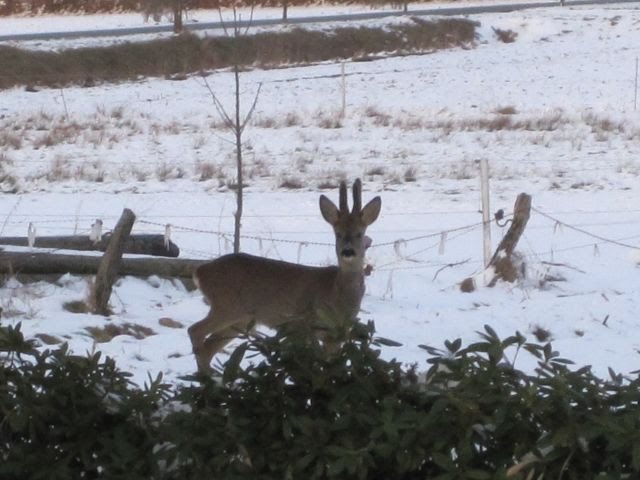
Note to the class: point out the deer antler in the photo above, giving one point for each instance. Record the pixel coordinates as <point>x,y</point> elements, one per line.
<point>357,196</point>
<point>344,208</point>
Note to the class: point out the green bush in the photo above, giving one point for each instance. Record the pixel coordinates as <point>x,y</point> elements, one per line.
<point>287,406</point>
<point>64,416</point>
<point>299,412</point>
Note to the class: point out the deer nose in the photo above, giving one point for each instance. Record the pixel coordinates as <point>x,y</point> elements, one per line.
<point>348,252</point>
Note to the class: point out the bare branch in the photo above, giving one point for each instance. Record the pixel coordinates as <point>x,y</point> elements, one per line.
<point>252,109</point>
<point>226,119</point>
<point>236,27</point>
<point>222,22</point>
<point>250,24</point>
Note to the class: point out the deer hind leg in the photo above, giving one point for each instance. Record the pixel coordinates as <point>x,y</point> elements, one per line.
<point>216,342</point>
<point>210,335</point>
<point>198,333</point>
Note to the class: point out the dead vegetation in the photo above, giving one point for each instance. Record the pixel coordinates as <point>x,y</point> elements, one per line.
<point>189,53</point>
<point>505,36</point>
<point>35,7</point>
<point>47,339</point>
<point>76,306</point>
<point>111,330</point>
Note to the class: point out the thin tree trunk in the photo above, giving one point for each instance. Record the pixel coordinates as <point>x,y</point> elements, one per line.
<point>239,191</point>
<point>177,16</point>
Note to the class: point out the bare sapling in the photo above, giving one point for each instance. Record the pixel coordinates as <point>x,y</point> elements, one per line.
<point>234,122</point>
<point>246,290</point>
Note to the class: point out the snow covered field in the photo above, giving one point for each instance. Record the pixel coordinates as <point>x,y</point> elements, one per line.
<point>552,112</point>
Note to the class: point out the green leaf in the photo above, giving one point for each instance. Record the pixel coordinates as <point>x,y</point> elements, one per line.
<point>635,456</point>
<point>336,467</point>
<point>454,346</point>
<point>477,474</point>
<point>232,366</point>
<point>492,333</point>
<point>386,342</point>
<point>304,462</point>
<point>431,350</point>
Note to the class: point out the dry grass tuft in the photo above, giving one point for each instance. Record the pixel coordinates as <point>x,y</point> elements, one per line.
<point>10,140</point>
<point>375,171</point>
<point>165,172</point>
<point>542,334</point>
<point>111,330</point>
<point>411,174</point>
<point>291,183</point>
<point>61,169</point>
<point>292,119</point>
<point>208,170</point>
<point>378,118</point>
<point>328,184</point>
<point>508,110</point>
<point>76,306</point>
<point>505,36</point>
<point>170,323</point>
<point>8,181</point>
<point>328,120</point>
<point>48,339</point>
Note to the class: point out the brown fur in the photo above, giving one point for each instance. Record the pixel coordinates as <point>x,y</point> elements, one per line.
<point>245,289</point>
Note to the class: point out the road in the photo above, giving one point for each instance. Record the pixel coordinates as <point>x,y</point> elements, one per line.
<point>446,11</point>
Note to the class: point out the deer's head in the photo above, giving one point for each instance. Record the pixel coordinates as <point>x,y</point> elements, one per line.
<point>350,226</point>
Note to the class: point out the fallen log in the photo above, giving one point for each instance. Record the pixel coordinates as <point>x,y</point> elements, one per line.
<point>44,263</point>
<point>144,244</point>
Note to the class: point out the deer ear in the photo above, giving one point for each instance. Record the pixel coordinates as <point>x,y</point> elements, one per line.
<point>371,211</point>
<point>329,210</point>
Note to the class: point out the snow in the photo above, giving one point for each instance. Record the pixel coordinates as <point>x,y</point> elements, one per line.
<point>414,129</point>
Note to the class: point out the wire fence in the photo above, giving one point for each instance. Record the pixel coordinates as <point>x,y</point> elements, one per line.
<point>427,250</point>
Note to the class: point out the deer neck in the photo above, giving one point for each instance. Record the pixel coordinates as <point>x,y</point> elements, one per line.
<point>349,289</point>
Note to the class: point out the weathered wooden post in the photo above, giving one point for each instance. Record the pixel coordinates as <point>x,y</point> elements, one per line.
<point>108,269</point>
<point>501,264</point>
<point>486,217</point>
<point>501,260</point>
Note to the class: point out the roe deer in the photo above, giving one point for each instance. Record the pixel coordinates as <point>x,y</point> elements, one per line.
<point>244,289</point>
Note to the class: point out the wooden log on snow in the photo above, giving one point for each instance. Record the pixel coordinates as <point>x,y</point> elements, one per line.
<point>39,263</point>
<point>136,244</point>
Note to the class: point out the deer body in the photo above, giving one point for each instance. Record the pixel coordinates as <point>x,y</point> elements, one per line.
<point>245,289</point>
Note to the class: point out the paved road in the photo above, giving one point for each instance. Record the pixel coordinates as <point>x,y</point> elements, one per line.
<point>302,20</point>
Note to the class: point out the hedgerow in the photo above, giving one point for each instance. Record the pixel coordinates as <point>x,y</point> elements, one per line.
<point>179,55</point>
<point>284,406</point>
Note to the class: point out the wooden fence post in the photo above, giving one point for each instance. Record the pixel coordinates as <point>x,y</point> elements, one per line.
<point>486,217</point>
<point>108,269</point>
<point>502,262</point>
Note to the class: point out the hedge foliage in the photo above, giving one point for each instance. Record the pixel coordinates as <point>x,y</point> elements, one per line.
<point>36,7</point>
<point>180,55</point>
<point>285,408</point>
